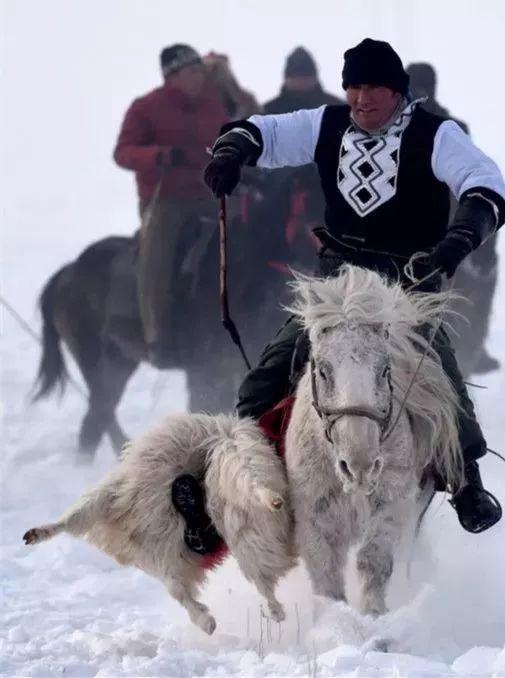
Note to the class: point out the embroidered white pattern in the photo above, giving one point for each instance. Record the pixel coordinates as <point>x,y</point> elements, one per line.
<point>368,165</point>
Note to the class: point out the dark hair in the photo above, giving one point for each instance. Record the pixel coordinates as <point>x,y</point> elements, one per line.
<point>300,63</point>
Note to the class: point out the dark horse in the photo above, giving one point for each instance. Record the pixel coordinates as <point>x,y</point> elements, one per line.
<point>91,305</point>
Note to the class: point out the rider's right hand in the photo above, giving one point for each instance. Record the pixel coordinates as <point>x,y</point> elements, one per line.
<point>222,174</point>
<point>171,157</point>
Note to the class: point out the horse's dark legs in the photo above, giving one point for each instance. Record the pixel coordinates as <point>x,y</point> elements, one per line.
<point>106,377</point>
<point>92,429</point>
<point>116,435</point>
<point>100,420</point>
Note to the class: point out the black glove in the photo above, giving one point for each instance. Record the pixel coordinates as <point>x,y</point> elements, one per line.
<point>222,174</point>
<point>474,221</point>
<point>451,251</point>
<point>239,144</point>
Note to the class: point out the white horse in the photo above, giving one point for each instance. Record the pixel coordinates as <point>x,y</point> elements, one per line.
<point>130,515</point>
<point>354,456</point>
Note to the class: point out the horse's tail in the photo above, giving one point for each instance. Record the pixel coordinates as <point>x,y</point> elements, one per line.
<point>52,372</point>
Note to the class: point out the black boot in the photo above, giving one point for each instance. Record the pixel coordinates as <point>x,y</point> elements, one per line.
<point>200,535</point>
<point>477,509</point>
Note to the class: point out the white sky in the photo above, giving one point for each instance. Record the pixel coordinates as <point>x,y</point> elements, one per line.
<point>72,67</point>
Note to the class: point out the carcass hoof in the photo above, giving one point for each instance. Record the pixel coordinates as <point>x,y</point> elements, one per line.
<point>35,535</point>
<point>207,623</point>
<point>277,612</point>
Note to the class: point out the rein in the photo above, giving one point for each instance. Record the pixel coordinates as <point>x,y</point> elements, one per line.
<point>409,273</point>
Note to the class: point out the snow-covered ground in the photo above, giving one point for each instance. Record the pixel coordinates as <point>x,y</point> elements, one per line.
<point>69,609</point>
<point>71,69</point>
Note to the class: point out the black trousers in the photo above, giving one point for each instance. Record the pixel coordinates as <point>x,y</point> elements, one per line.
<point>272,380</point>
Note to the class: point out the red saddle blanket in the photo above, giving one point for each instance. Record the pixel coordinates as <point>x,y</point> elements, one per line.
<point>274,424</point>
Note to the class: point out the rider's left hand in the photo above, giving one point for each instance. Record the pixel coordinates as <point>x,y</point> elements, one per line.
<point>451,251</point>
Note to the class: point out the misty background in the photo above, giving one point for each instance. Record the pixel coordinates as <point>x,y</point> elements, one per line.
<point>72,67</point>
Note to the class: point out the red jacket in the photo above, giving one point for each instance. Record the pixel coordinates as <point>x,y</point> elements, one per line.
<point>166,118</point>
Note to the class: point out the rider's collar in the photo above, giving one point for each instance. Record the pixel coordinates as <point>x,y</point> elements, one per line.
<point>398,121</point>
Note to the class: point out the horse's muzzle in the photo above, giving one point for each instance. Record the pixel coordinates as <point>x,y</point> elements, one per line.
<point>357,474</point>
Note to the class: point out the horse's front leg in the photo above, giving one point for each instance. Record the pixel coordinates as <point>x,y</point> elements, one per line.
<point>374,558</point>
<point>323,542</point>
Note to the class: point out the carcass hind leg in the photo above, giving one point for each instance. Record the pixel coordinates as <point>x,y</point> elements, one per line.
<point>42,533</point>
<point>263,570</point>
<point>198,612</point>
<point>266,587</point>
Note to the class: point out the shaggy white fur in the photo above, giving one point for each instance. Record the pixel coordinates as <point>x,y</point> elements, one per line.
<point>130,515</point>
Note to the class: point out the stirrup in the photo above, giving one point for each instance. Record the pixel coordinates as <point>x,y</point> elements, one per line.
<point>486,526</point>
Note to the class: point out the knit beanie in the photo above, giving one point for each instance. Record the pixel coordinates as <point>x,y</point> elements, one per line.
<point>374,62</point>
<point>176,57</point>
<point>300,63</point>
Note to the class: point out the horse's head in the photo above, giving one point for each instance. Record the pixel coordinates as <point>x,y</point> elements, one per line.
<point>348,318</point>
<point>352,393</point>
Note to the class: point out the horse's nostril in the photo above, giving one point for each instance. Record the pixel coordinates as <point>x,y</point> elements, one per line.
<point>344,467</point>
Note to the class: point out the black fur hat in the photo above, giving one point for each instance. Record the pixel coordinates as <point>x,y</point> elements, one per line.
<point>374,62</point>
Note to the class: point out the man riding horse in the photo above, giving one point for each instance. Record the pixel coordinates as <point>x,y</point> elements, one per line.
<point>163,139</point>
<point>387,168</point>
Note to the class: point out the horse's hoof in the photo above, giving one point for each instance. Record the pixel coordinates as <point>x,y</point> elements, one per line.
<point>378,644</point>
<point>376,611</point>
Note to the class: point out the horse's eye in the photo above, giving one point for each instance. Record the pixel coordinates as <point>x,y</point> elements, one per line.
<point>322,375</point>
<point>386,333</point>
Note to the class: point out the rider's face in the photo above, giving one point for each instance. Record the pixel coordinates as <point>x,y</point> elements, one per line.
<point>372,106</point>
<point>190,79</point>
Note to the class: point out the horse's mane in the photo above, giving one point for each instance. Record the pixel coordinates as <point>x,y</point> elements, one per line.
<point>361,296</point>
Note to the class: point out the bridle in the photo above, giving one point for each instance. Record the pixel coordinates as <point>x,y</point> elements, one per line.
<point>329,417</point>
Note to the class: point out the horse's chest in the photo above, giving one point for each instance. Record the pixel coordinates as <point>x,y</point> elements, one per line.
<point>334,512</point>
